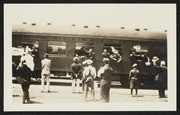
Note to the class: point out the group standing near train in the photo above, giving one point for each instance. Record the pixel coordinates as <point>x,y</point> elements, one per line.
<point>126,56</point>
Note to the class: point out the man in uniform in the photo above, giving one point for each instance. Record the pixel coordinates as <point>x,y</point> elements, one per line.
<point>134,78</point>
<point>105,73</point>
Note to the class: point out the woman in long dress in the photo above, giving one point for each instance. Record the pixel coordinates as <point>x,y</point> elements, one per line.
<point>105,73</point>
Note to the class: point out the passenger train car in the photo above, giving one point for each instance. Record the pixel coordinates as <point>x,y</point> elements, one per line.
<point>63,43</point>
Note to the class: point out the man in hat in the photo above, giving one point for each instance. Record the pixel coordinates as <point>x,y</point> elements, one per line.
<point>161,77</point>
<point>76,70</point>
<point>134,78</point>
<point>105,73</point>
<point>45,74</point>
<point>89,74</point>
<point>105,54</point>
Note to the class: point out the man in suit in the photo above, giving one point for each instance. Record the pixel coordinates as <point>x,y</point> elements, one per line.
<point>161,77</point>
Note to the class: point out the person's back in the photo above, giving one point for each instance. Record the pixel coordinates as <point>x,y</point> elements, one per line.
<point>46,63</point>
<point>24,72</point>
<point>107,73</point>
<point>76,67</point>
<point>134,73</point>
<point>45,74</point>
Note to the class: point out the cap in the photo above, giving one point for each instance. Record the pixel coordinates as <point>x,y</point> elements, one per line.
<point>76,59</point>
<point>134,65</point>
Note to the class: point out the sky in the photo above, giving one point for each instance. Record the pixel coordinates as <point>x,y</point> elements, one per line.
<point>150,16</point>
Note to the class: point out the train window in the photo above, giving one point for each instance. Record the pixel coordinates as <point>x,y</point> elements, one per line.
<point>84,50</point>
<point>57,48</point>
<point>111,47</point>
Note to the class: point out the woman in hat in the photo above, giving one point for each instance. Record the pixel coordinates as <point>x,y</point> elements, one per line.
<point>134,78</point>
<point>24,73</point>
<point>105,73</point>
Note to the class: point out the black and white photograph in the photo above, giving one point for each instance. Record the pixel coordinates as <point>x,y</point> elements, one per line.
<point>90,57</point>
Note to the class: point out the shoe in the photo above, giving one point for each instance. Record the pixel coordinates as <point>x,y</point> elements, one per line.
<point>48,91</point>
<point>23,102</point>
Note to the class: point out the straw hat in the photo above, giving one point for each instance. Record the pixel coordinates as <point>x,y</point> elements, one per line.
<point>155,58</point>
<point>106,59</point>
<point>89,62</point>
<point>163,62</point>
<point>134,65</point>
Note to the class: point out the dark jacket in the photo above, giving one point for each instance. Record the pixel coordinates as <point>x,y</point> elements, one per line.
<point>76,69</point>
<point>24,72</point>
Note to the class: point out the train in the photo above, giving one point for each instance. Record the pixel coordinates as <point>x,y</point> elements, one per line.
<point>62,43</point>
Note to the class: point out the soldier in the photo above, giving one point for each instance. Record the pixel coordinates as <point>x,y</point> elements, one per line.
<point>89,75</point>
<point>134,78</point>
<point>76,69</point>
<point>105,73</point>
<point>45,74</point>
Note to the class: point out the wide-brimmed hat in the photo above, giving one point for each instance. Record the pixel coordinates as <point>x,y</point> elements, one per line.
<point>89,62</point>
<point>155,58</point>
<point>134,65</point>
<point>106,59</point>
<point>76,59</point>
<point>163,62</point>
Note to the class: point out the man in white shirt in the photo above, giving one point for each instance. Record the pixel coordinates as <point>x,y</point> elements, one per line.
<point>45,74</point>
<point>89,75</point>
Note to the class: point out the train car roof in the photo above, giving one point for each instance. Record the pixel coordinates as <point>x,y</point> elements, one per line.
<point>51,30</point>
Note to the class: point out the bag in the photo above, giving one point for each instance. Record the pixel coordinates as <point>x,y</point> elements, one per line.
<point>22,81</point>
<point>157,77</point>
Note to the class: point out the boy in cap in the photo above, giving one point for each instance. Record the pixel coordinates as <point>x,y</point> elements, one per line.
<point>89,75</point>
<point>76,69</point>
<point>134,78</point>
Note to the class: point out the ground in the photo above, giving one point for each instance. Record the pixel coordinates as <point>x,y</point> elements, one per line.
<point>63,94</point>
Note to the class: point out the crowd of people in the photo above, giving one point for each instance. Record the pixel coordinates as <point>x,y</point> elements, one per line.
<point>84,73</point>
